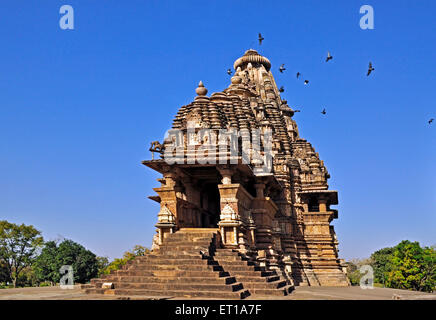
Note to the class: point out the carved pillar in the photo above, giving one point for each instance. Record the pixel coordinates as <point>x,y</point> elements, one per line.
<point>235,216</point>
<point>263,211</point>
<point>166,223</point>
<point>226,172</point>
<point>322,202</point>
<point>168,214</point>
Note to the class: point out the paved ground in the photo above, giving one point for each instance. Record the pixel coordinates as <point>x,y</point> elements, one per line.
<point>355,293</point>
<point>300,293</point>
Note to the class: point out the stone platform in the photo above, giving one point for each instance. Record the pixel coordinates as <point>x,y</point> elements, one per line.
<point>300,293</point>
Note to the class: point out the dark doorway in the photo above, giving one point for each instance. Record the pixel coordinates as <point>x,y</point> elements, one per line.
<point>210,203</point>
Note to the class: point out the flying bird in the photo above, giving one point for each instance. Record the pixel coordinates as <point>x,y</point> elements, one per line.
<point>260,38</point>
<point>306,81</point>
<point>370,69</point>
<point>282,68</point>
<point>282,89</point>
<point>323,111</point>
<point>430,121</point>
<point>297,110</point>
<point>229,72</point>
<point>329,57</point>
<point>298,75</point>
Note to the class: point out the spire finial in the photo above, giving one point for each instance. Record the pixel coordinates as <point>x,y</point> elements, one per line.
<point>201,90</point>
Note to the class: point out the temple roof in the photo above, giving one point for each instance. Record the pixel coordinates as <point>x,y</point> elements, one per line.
<point>252,101</point>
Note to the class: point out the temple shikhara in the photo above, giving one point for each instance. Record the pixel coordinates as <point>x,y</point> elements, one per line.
<point>245,207</point>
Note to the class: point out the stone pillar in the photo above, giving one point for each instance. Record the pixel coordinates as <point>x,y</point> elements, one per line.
<point>235,217</point>
<point>263,211</point>
<point>260,190</point>
<point>166,223</point>
<point>168,215</point>
<point>227,173</point>
<point>322,205</point>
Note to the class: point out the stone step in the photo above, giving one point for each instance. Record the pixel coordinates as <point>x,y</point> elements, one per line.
<point>171,273</point>
<point>257,278</point>
<point>181,267</point>
<point>181,293</point>
<point>175,262</point>
<point>254,285</point>
<point>245,273</point>
<point>241,267</point>
<point>229,258</point>
<point>191,235</point>
<point>183,248</point>
<point>272,292</point>
<point>198,230</point>
<point>185,252</point>
<point>151,279</point>
<point>226,252</point>
<point>178,286</point>
<point>186,242</point>
<point>224,262</point>
<point>194,238</point>
<point>171,255</point>
<point>175,256</point>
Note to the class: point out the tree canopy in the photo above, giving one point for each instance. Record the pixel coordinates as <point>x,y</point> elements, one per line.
<point>412,267</point>
<point>18,247</point>
<point>381,264</point>
<point>405,266</point>
<point>53,257</point>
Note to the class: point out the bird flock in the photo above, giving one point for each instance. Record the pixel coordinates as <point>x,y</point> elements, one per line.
<point>306,82</point>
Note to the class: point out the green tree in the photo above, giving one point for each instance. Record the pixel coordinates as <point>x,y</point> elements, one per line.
<point>103,263</point>
<point>137,250</point>
<point>4,275</point>
<point>52,258</point>
<point>18,247</point>
<point>381,264</point>
<point>45,266</point>
<point>27,278</point>
<point>412,267</point>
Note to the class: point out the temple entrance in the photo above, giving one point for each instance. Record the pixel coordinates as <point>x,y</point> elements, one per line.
<point>210,204</point>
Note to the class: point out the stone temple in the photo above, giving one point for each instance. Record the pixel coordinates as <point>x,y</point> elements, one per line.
<point>236,221</point>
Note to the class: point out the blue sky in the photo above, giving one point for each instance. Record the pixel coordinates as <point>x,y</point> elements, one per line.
<point>78,108</point>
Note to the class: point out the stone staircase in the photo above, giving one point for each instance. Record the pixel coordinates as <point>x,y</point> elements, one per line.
<point>256,279</point>
<point>189,264</point>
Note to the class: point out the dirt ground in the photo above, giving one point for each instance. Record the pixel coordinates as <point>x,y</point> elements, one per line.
<point>300,293</point>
